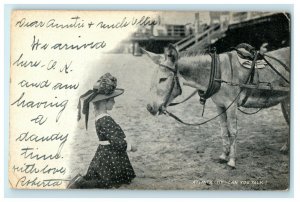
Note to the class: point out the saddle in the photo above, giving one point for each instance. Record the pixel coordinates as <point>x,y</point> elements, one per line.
<point>249,58</point>
<point>259,64</point>
<point>246,54</point>
<point>245,51</point>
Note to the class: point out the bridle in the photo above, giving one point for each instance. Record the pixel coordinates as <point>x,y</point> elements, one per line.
<point>213,86</point>
<point>175,81</point>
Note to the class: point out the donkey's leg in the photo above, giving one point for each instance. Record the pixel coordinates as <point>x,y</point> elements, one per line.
<point>224,134</point>
<point>232,127</point>
<point>285,107</point>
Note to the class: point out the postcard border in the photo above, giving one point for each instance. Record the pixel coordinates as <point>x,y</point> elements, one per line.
<point>12,193</point>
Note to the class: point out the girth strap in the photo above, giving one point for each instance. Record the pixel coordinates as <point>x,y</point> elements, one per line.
<point>249,79</point>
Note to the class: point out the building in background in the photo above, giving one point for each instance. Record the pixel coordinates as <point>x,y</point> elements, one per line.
<point>191,31</point>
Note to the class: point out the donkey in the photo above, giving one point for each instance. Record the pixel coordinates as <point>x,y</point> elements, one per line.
<point>195,69</point>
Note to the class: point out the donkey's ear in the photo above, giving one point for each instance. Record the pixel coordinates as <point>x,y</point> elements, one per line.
<point>171,52</point>
<point>156,58</point>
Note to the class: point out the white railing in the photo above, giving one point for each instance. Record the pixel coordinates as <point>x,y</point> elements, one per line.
<point>201,38</point>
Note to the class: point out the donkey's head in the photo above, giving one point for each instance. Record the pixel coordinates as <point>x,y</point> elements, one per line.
<point>165,84</point>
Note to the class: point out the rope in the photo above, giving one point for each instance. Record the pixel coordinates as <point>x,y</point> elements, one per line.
<point>279,61</point>
<point>191,95</point>
<point>250,113</point>
<point>204,122</point>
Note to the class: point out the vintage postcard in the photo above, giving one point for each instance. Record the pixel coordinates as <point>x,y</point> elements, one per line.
<point>149,100</point>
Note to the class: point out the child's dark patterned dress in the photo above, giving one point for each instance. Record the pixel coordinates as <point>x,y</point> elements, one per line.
<point>110,166</point>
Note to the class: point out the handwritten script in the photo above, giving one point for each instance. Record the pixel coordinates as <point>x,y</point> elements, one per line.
<point>50,53</point>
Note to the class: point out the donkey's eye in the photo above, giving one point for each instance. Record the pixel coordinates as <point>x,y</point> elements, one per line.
<point>162,80</point>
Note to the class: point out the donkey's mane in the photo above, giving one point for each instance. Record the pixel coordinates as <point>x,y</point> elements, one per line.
<point>194,53</point>
<point>194,58</point>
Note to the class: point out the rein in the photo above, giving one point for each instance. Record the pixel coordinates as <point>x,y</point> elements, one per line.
<point>274,69</point>
<point>187,98</point>
<point>204,122</point>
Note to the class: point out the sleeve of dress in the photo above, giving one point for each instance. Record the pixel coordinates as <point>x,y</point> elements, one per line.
<point>114,134</point>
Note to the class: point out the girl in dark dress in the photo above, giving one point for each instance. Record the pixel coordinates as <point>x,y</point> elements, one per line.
<point>110,166</point>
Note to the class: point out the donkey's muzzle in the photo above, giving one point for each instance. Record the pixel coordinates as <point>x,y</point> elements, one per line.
<point>151,109</point>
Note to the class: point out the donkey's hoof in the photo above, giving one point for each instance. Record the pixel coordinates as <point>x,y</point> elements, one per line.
<point>223,158</point>
<point>231,163</point>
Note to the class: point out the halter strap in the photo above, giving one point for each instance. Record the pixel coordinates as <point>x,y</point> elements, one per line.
<point>174,81</point>
<point>169,68</point>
